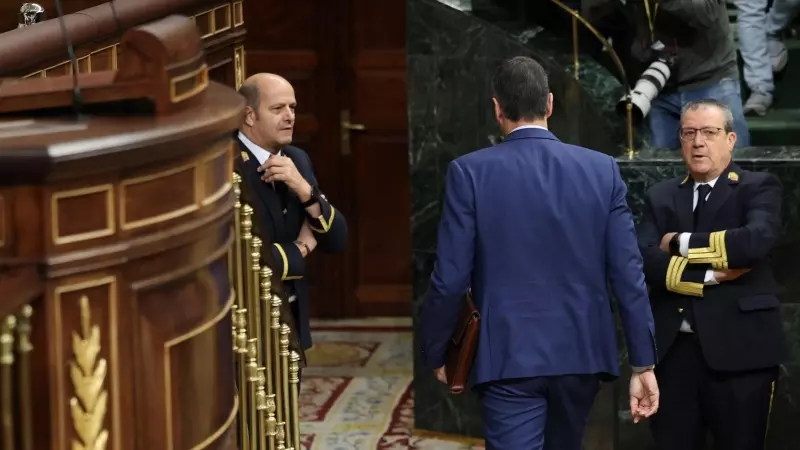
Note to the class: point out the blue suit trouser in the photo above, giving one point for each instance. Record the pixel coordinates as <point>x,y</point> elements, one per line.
<point>537,413</point>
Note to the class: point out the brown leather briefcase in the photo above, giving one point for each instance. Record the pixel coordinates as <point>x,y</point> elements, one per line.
<point>462,346</point>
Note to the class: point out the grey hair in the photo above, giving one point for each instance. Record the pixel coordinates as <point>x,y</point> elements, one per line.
<point>694,105</point>
<point>251,94</point>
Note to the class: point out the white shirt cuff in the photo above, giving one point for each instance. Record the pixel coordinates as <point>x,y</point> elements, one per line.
<point>709,278</point>
<point>683,239</point>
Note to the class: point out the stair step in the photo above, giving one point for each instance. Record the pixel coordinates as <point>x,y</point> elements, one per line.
<point>778,127</point>
<point>787,82</point>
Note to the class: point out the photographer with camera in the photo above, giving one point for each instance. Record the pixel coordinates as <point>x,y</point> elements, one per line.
<point>688,51</point>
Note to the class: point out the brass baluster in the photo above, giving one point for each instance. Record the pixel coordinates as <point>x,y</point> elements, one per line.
<point>247,262</point>
<point>266,342</point>
<point>246,237</point>
<point>261,406</point>
<point>254,305</point>
<point>233,332</point>
<point>7,381</point>
<point>287,412</point>
<point>241,345</point>
<point>281,436</point>
<point>294,381</point>
<point>280,432</point>
<point>252,379</point>
<point>237,249</point>
<point>25,347</point>
<point>254,299</point>
<point>239,309</point>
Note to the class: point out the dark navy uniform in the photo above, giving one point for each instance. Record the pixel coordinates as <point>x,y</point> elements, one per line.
<point>281,215</point>
<point>720,344</point>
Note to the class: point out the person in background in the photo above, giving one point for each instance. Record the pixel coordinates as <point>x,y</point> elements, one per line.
<point>293,213</point>
<point>762,51</point>
<point>539,251</point>
<point>706,238</point>
<point>696,36</point>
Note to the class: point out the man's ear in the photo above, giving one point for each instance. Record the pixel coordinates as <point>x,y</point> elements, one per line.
<point>731,140</point>
<point>549,106</point>
<point>498,111</point>
<point>249,116</point>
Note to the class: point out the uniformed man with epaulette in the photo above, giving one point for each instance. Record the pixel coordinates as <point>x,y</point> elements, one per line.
<point>705,240</point>
<point>294,215</point>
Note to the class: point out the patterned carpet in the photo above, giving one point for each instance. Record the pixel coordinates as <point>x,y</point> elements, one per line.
<point>356,392</point>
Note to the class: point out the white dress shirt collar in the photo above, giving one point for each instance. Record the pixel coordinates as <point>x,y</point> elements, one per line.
<point>528,126</point>
<point>710,183</point>
<point>261,155</point>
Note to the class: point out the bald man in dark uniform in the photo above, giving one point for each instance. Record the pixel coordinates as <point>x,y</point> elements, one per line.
<point>293,213</point>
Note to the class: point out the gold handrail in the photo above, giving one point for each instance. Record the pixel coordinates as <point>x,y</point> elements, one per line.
<point>577,18</point>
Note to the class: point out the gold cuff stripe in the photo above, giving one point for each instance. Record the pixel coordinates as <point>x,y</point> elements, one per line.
<point>677,264</point>
<point>715,254</point>
<point>326,224</point>
<point>285,261</point>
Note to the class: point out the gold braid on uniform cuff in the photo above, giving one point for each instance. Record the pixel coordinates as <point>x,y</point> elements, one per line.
<point>677,264</point>
<point>285,260</point>
<point>325,224</point>
<point>715,254</point>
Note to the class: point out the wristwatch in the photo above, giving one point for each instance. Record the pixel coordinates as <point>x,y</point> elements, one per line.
<point>315,195</point>
<point>675,245</point>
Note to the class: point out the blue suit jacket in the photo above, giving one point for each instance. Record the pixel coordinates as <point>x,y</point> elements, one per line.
<point>538,229</point>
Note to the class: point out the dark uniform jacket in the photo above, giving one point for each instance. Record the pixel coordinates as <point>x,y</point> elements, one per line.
<point>280,216</point>
<point>737,322</point>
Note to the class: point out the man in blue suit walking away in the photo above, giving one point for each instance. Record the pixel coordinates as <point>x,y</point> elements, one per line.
<point>539,229</point>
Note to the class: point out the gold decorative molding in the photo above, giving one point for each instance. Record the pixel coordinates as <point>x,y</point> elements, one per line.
<point>88,375</point>
<point>239,65</point>
<point>7,384</point>
<point>238,17</point>
<point>83,415</point>
<point>85,64</point>
<point>24,349</point>
<point>215,22</point>
<point>55,226</point>
<point>190,207</point>
<point>188,85</point>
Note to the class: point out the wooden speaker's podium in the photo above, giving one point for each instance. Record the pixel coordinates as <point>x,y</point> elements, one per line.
<point>120,322</point>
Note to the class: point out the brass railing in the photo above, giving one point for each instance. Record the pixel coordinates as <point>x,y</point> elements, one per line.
<point>16,427</point>
<point>267,371</point>
<point>576,19</point>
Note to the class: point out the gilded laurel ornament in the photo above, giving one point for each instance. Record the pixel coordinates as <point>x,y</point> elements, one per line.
<point>90,403</point>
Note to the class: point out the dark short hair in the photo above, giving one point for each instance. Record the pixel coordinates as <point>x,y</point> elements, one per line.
<point>520,86</point>
<point>251,94</point>
<point>710,102</point>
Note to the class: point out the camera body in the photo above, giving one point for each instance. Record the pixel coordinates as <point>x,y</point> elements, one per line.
<point>662,65</point>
